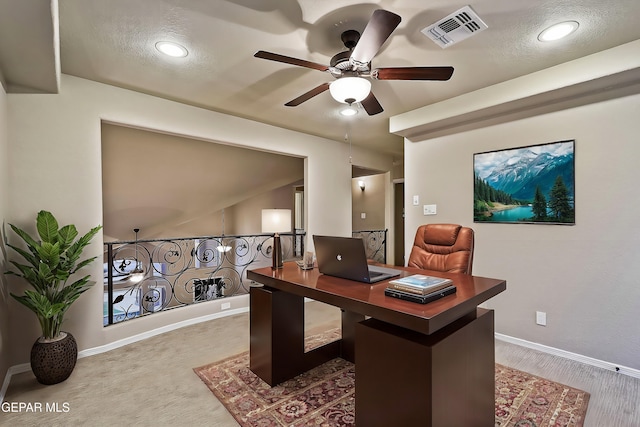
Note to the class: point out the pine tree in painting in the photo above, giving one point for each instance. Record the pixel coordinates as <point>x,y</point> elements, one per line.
<point>539,206</point>
<point>559,201</point>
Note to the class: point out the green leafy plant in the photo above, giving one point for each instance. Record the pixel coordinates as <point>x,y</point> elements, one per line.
<point>50,263</point>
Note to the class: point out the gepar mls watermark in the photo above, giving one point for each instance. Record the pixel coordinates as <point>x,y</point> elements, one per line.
<point>31,407</point>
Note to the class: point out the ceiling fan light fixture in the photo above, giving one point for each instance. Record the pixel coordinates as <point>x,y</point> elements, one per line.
<point>350,89</point>
<point>172,49</point>
<point>558,31</point>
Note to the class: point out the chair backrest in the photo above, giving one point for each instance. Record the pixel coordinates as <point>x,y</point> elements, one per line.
<point>443,247</point>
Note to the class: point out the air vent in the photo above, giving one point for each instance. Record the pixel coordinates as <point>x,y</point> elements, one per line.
<point>454,28</point>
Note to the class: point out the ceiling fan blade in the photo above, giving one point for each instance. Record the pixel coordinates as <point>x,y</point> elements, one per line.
<point>413,73</point>
<point>377,31</point>
<point>289,60</point>
<point>307,96</point>
<point>371,105</point>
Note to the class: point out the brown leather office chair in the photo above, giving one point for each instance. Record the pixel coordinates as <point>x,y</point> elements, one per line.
<point>443,247</point>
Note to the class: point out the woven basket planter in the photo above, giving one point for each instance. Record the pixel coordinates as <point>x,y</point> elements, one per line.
<point>53,361</point>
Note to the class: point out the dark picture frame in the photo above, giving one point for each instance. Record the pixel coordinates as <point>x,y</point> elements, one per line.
<point>534,184</point>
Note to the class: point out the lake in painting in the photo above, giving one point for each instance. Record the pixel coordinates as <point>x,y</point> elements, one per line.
<point>520,213</point>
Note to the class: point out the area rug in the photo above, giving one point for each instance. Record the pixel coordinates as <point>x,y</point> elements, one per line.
<point>324,396</point>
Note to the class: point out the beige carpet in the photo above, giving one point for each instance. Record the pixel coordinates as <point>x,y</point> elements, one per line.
<point>325,396</point>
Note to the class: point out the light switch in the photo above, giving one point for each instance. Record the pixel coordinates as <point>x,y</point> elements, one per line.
<point>416,200</point>
<point>429,209</point>
<point>363,215</point>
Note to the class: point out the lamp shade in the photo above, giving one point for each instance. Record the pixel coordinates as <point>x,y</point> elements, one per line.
<point>276,220</point>
<point>350,89</point>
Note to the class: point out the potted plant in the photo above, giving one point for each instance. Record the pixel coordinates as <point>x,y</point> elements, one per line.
<point>50,263</point>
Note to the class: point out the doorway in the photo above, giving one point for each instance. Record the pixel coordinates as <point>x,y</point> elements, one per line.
<point>398,223</point>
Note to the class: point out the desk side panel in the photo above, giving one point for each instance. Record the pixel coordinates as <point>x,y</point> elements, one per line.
<point>410,379</point>
<point>276,335</point>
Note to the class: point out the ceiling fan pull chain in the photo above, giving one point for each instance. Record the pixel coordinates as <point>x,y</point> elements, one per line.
<point>348,140</point>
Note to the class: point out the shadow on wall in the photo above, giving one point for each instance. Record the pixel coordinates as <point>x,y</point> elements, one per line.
<point>4,285</point>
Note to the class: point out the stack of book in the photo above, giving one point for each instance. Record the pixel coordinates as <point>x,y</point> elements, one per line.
<point>420,288</point>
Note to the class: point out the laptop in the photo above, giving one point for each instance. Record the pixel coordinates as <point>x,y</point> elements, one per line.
<point>345,257</point>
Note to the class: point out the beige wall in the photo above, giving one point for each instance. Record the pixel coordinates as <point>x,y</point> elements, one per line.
<point>64,130</point>
<point>247,215</point>
<point>172,186</point>
<point>371,202</point>
<point>4,209</point>
<point>585,277</point>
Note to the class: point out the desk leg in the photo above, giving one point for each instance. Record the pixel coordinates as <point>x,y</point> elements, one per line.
<point>276,322</point>
<point>407,379</point>
<point>348,345</point>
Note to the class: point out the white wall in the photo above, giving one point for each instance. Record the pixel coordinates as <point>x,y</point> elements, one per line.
<point>55,140</point>
<point>585,277</point>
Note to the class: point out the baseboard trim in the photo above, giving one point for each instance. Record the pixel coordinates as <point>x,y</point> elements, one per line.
<point>13,370</point>
<point>569,355</point>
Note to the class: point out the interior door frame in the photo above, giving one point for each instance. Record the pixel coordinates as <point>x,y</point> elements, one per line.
<point>398,222</point>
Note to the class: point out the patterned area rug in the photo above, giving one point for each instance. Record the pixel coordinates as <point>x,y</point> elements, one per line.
<point>324,396</point>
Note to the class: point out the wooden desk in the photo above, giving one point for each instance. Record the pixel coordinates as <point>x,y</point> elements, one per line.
<point>416,364</point>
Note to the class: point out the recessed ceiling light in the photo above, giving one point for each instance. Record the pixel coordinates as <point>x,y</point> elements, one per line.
<point>172,49</point>
<point>558,31</point>
<point>349,111</point>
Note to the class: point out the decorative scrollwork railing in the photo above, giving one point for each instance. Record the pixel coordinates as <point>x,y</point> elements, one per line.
<point>375,243</point>
<point>183,271</point>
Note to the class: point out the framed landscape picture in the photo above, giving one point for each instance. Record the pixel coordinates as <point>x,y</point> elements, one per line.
<point>533,184</point>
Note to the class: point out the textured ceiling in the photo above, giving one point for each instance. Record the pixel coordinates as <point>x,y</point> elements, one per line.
<point>113,42</point>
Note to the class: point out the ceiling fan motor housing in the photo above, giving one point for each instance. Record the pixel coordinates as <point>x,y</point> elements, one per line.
<point>350,38</point>
<point>342,61</point>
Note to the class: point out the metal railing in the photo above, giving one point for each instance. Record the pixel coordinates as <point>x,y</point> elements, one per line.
<point>375,243</point>
<point>183,271</point>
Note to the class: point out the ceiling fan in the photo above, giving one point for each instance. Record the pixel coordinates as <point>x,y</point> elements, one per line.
<point>352,67</point>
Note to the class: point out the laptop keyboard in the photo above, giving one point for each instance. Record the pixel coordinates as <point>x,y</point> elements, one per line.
<point>375,273</point>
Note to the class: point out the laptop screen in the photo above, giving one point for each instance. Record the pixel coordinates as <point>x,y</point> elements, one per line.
<point>345,257</point>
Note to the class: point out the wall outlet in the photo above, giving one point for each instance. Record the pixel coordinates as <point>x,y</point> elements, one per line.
<point>541,318</point>
<point>225,306</point>
<point>429,209</point>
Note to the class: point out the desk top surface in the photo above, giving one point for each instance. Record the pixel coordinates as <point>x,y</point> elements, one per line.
<point>370,300</point>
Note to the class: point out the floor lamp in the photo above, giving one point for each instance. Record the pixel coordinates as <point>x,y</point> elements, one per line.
<point>276,221</point>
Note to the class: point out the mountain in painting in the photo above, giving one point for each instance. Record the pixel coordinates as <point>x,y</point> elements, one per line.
<point>521,174</point>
